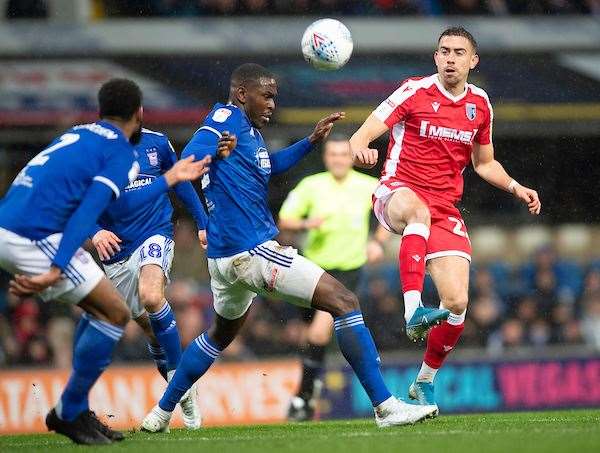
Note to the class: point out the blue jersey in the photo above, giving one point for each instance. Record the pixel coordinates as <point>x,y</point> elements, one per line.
<point>134,222</point>
<point>50,188</point>
<point>236,188</point>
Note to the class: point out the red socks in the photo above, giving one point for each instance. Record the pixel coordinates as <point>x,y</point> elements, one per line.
<point>440,341</point>
<point>412,257</point>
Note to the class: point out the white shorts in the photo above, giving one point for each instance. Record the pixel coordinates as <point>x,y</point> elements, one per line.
<point>125,274</point>
<point>268,269</point>
<point>20,255</point>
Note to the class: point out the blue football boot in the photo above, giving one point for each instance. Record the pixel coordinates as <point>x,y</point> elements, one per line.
<point>422,393</point>
<point>422,319</point>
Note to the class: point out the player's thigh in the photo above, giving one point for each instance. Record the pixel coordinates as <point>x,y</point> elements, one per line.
<point>106,303</point>
<point>279,271</point>
<point>320,329</point>
<point>80,278</point>
<point>231,297</point>
<point>401,207</point>
<point>124,276</point>
<point>151,287</point>
<point>450,275</point>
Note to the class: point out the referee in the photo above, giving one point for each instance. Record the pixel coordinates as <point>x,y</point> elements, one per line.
<point>334,207</point>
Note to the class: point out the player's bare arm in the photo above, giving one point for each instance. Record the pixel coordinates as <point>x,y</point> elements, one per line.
<point>324,127</point>
<point>106,244</point>
<point>493,172</point>
<point>371,129</point>
<point>186,170</point>
<point>24,285</point>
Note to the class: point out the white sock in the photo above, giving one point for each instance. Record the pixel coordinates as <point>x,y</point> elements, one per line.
<point>165,415</point>
<point>457,320</point>
<point>412,301</point>
<point>426,374</point>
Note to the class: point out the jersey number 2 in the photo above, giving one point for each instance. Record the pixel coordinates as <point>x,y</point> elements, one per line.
<point>64,140</point>
<point>459,224</point>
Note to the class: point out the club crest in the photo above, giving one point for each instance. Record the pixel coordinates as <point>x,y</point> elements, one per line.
<point>153,158</point>
<point>471,110</point>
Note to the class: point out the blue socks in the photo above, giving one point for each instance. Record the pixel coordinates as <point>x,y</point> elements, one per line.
<point>195,361</point>
<point>160,359</point>
<point>95,341</point>
<point>357,346</point>
<point>164,327</point>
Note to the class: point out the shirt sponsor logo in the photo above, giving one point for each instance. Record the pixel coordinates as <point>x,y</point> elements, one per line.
<point>263,159</point>
<point>221,115</point>
<point>434,132</point>
<point>471,110</point>
<point>143,180</point>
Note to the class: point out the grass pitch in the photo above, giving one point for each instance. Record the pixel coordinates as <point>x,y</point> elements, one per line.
<point>544,432</point>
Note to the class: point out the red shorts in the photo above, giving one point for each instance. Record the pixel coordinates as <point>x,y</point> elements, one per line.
<point>448,232</point>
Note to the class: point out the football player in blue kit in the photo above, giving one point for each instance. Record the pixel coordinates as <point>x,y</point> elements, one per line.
<point>47,213</point>
<point>244,259</point>
<point>136,249</point>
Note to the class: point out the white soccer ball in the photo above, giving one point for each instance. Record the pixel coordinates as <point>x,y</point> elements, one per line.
<point>327,44</point>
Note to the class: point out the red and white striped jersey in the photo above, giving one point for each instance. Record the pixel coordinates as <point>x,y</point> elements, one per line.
<point>432,134</point>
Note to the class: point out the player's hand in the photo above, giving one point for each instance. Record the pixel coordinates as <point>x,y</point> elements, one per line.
<point>106,244</point>
<point>24,285</point>
<point>202,239</point>
<point>187,170</point>
<point>226,145</point>
<point>375,252</point>
<point>313,223</point>
<point>324,126</point>
<point>529,197</point>
<point>365,158</point>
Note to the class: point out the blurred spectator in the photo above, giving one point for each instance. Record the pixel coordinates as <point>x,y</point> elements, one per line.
<point>26,9</point>
<point>35,333</point>
<point>135,8</point>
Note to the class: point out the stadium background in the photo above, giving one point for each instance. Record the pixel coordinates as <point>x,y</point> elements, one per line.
<point>533,325</point>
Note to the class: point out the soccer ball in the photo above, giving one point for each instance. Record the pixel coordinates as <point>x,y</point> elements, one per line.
<point>327,44</point>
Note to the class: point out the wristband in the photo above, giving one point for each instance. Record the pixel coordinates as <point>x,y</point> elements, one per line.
<point>511,185</point>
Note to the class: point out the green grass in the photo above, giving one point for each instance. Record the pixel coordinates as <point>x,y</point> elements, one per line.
<point>560,431</point>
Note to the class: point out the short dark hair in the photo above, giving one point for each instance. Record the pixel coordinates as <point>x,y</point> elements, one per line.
<point>119,98</point>
<point>250,72</point>
<point>459,31</point>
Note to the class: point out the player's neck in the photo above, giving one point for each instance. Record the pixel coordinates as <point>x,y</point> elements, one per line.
<point>454,90</point>
<point>120,124</point>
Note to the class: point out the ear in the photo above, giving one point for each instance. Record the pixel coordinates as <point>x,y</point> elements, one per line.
<point>474,61</point>
<point>435,57</point>
<point>241,94</point>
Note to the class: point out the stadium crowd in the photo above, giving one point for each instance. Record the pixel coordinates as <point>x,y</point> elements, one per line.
<point>146,8</point>
<point>546,301</point>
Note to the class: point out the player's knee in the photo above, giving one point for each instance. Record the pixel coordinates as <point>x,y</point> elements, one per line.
<point>456,304</point>
<point>120,315</point>
<point>420,215</point>
<point>344,302</point>
<point>151,299</point>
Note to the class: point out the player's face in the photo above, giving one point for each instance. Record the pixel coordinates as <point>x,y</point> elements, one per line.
<point>260,102</point>
<point>337,158</point>
<point>454,58</point>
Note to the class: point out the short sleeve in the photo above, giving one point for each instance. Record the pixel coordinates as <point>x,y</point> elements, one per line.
<point>395,108</point>
<point>484,134</point>
<point>297,204</point>
<point>120,168</point>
